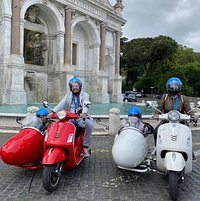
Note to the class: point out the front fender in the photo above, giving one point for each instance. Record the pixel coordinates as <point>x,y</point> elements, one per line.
<point>53,156</point>
<point>174,161</point>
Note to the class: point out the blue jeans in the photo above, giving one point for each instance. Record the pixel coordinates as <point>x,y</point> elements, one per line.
<point>87,130</point>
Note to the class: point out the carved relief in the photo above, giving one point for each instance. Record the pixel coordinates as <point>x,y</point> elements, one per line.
<point>32,15</point>
<point>103,25</point>
<point>21,2</point>
<point>87,18</point>
<point>88,7</point>
<point>69,9</point>
<point>45,1</point>
<point>61,10</point>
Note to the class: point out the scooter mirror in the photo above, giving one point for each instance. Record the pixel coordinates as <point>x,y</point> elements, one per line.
<point>198,104</point>
<point>149,104</point>
<point>45,104</point>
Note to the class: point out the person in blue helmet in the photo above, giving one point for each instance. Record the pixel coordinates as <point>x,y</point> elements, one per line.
<point>42,114</point>
<point>35,117</point>
<point>173,100</point>
<point>135,120</point>
<point>71,101</point>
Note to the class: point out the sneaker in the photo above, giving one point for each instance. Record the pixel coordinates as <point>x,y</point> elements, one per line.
<point>85,152</point>
<point>194,157</point>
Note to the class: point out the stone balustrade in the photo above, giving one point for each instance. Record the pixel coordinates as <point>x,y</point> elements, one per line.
<point>101,123</point>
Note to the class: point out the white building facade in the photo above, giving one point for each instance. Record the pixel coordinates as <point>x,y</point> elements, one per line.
<point>44,43</point>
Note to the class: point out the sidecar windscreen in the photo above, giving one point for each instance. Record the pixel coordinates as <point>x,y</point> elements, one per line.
<point>31,120</point>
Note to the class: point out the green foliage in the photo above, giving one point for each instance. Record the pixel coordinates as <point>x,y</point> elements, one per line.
<point>192,70</point>
<point>150,62</point>
<point>162,48</point>
<point>185,55</point>
<point>126,87</point>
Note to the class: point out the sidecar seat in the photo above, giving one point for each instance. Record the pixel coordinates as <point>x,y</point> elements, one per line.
<point>150,128</point>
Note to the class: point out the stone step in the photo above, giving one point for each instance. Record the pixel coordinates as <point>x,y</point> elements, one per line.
<point>8,131</point>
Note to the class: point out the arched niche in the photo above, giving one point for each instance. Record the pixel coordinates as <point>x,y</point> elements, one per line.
<point>43,34</point>
<point>85,47</point>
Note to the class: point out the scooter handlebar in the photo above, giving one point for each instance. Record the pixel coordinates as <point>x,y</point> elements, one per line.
<point>166,116</point>
<point>53,115</point>
<point>63,115</point>
<point>71,115</point>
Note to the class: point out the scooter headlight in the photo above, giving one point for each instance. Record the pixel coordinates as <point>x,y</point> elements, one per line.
<point>173,116</point>
<point>62,114</point>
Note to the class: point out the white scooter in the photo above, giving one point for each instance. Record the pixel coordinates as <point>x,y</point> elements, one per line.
<point>174,148</point>
<point>172,154</point>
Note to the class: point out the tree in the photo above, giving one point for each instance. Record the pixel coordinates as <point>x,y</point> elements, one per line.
<point>147,62</point>
<point>192,77</point>
<point>185,55</point>
<point>162,48</point>
<point>143,55</point>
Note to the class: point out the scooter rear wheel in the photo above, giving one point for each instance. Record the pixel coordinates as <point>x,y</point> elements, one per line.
<point>173,185</point>
<point>51,176</point>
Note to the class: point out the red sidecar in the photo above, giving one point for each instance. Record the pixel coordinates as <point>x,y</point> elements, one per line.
<point>24,148</point>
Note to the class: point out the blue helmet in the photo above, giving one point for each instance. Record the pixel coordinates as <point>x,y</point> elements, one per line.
<point>173,85</point>
<point>135,111</point>
<point>75,80</point>
<point>42,112</point>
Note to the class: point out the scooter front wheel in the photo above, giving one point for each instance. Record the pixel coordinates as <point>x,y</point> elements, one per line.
<point>173,185</point>
<point>51,176</point>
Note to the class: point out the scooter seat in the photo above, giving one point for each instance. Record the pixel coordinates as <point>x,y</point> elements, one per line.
<point>78,131</point>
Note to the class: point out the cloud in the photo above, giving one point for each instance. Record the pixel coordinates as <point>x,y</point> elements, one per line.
<point>178,19</point>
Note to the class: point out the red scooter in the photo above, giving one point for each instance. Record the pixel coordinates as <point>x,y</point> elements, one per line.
<point>62,148</point>
<point>59,148</point>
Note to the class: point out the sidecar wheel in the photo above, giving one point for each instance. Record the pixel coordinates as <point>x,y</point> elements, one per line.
<point>50,178</point>
<point>173,185</point>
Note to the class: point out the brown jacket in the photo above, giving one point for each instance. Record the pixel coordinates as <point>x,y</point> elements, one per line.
<point>166,104</point>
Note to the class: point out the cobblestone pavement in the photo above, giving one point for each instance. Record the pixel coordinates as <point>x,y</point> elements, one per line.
<point>97,178</point>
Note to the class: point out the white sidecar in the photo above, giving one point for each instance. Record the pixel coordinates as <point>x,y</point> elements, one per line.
<point>130,148</point>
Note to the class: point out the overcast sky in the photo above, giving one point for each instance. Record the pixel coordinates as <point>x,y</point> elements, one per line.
<point>179,19</point>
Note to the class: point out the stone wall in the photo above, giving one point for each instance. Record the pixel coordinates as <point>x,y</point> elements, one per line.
<point>95,27</point>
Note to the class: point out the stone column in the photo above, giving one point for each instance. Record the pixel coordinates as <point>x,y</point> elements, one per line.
<point>5,38</point>
<point>102,88</point>
<point>67,49</point>
<point>60,52</point>
<point>117,96</point>
<point>15,27</point>
<point>102,46</point>
<point>13,75</point>
<point>117,52</point>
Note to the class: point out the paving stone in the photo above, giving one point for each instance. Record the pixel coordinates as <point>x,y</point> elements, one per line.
<point>98,179</point>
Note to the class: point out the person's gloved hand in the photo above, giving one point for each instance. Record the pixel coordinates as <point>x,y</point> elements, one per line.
<point>156,116</point>
<point>83,115</point>
<point>194,118</point>
<point>51,115</point>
